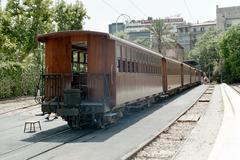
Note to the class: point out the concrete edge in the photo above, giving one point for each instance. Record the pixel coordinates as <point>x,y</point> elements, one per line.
<point>150,139</point>
<point>214,154</point>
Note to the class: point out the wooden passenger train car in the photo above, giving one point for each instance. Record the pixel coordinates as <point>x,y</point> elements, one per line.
<point>90,76</point>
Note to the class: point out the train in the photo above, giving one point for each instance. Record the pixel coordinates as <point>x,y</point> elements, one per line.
<point>92,77</point>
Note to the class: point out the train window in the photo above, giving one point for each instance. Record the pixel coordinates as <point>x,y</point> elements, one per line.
<point>75,57</point>
<point>128,53</point>
<point>118,65</point>
<point>124,52</point>
<point>136,67</point>
<point>82,58</point>
<point>83,68</point>
<point>124,66</point>
<point>75,67</point>
<point>129,66</point>
<point>133,67</point>
<point>118,51</point>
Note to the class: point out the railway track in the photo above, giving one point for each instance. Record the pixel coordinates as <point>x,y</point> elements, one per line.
<point>151,144</point>
<point>32,106</point>
<point>42,139</point>
<point>64,136</point>
<point>61,144</point>
<point>236,87</point>
<point>65,139</point>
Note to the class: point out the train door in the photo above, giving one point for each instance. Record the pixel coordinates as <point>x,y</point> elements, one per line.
<point>79,66</point>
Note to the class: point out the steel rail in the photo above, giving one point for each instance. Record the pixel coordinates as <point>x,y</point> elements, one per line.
<point>16,109</point>
<point>42,139</point>
<point>133,152</point>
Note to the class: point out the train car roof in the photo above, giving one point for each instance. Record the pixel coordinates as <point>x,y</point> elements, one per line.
<point>134,45</point>
<point>45,37</point>
<point>142,48</point>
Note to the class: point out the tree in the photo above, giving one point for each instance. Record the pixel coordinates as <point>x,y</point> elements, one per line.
<point>145,42</point>
<point>206,52</point>
<point>122,35</point>
<point>69,16</point>
<point>230,51</point>
<point>20,22</point>
<point>39,17</point>
<point>161,31</point>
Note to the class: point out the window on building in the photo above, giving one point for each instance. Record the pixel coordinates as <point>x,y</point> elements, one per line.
<point>194,29</point>
<point>180,30</point>
<point>229,25</point>
<point>202,29</point>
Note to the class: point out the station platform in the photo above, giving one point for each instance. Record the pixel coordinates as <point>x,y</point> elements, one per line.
<point>227,145</point>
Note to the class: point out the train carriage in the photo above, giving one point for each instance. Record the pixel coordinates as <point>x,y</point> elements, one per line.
<point>174,74</point>
<point>186,75</point>
<point>138,72</point>
<point>90,76</point>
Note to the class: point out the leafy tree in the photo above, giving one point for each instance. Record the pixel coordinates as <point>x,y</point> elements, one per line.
<point>122,35</point>
<point>145,42</point>
<point>40,16</point>
<point>20,22</point>
<point>161,31</point>
<point>69,16</point>
<point>206,52</point>
<point>230,50</point>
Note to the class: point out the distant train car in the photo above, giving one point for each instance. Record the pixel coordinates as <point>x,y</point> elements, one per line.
<point>90,77</point>
<point>174,74</point>
<point>186,75</point>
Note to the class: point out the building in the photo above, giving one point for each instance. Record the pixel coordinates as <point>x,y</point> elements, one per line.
<point>174,22</point>
<point>188,34</point>
<point>227,16</point>
<point>137,30</point>
<point>176,51</point>
<point>116,27</point>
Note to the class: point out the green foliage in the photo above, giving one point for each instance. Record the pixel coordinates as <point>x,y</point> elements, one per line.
<point>122,35</point>
<point>206,52</point>
<point>230,51</point>
<point>69,16</point>
<point>161,32</point>
<point>145,42</point>
<point>20,54</point>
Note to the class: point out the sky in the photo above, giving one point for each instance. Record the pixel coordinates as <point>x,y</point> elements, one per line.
<point>104,12</point>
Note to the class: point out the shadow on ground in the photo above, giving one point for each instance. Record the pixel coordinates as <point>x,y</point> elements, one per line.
<point>63,134</point>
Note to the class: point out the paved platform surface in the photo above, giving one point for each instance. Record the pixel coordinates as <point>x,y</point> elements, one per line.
<point>227,146</point>
<point>130,132</point>
<point>201,141</point>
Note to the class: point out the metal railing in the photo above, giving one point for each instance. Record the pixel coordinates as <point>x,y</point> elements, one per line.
<point>94,87</point>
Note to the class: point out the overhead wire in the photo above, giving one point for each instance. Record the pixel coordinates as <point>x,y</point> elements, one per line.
<point>109,5</point>
<point>188,10</point>
<point>138,8</point>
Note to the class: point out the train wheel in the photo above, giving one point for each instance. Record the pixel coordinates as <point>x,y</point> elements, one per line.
<point>70,123</point>
<point>73,122</point>
<point>100,121</point>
